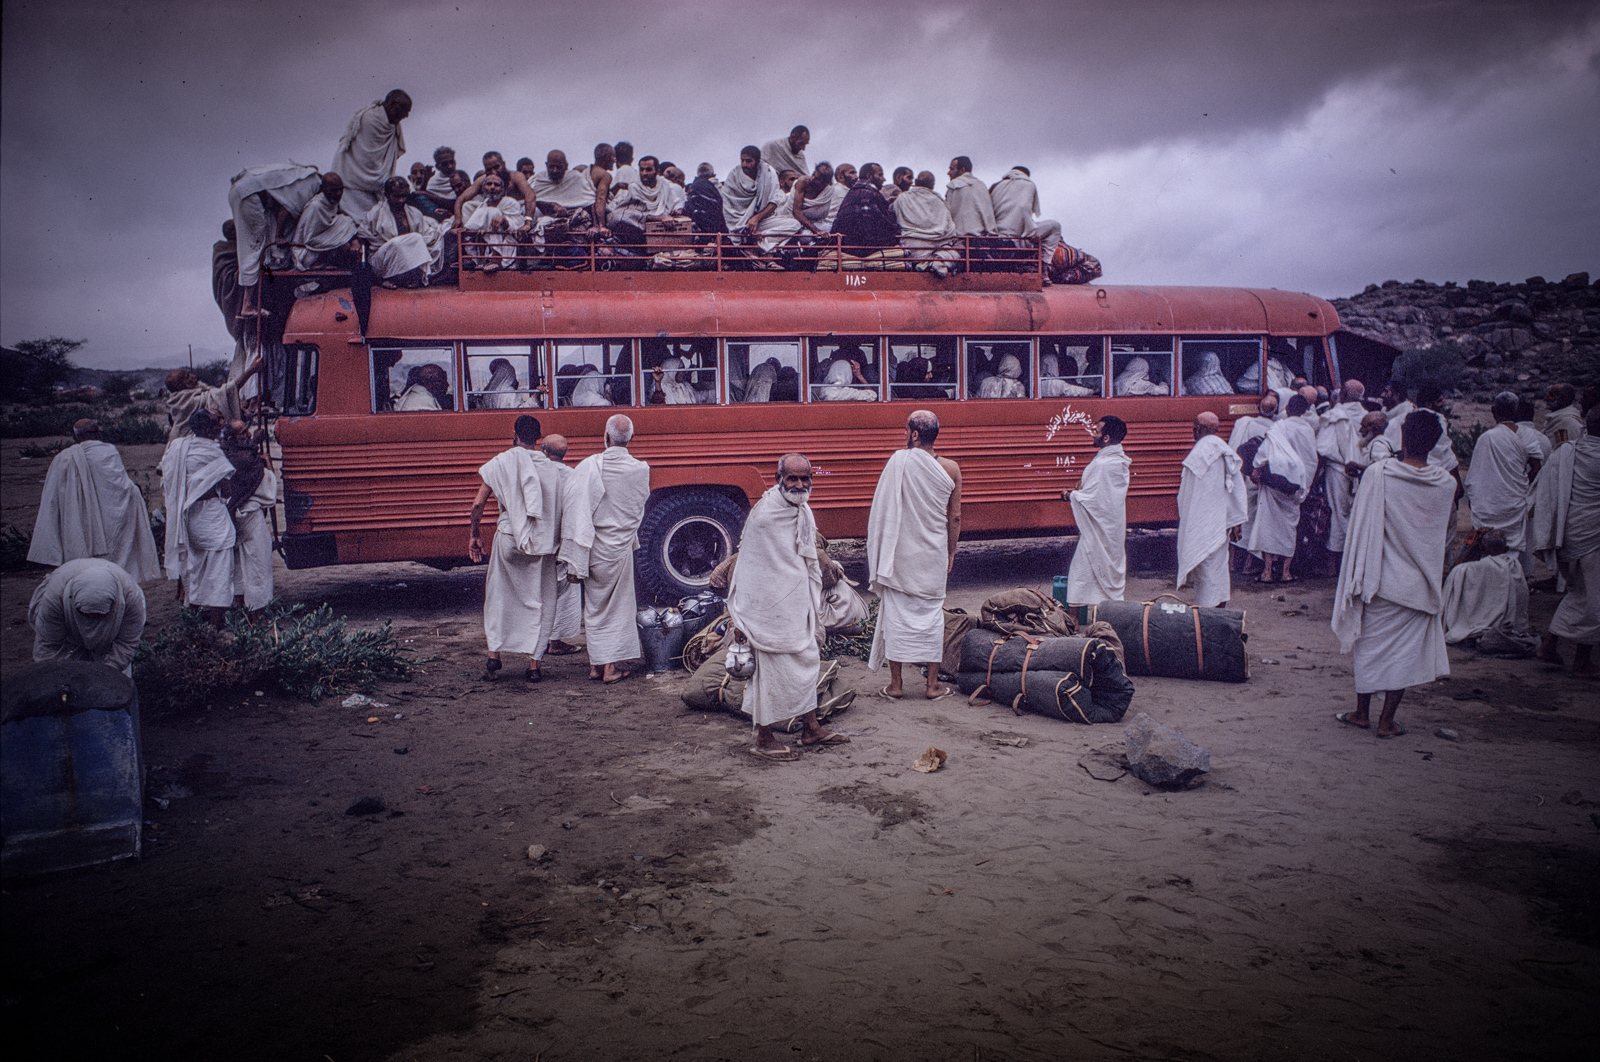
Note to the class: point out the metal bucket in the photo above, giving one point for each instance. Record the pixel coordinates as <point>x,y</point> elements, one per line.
<point>661,647</point>
<point>71,768</point>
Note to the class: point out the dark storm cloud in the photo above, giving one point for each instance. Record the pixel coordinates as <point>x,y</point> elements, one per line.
<point>123,123</point>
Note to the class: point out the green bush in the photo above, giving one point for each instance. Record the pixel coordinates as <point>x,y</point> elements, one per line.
<point>39,421</point>
<point>132,431</point>
<point>854,644</point>
<point>306,654</point>
<point>1463,442</point>
<point>1434,365</point>
<point>14,543</point>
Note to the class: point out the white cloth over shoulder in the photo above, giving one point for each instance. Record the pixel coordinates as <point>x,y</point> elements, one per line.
<point>1339,440</point>
<point>777,154</point>
<point>200,533</point>
<point>1134,379</point>
<point>252,554</point>
<point>603,506</point>
<point>1099,568</point>
<point>1007,381</point>
<point>1564,425</point>
<point>366,156</point>
<point>1566,531</point>
<point>658,201</point>
<point>291,185</point>
<point>1211,500</point>
<point>1484,595</point>
<point>970,206</point>
<point>1208,379</point>
<point>394,252</point>
<point>324,227</point>
<point>90,508</point>
<point>1539,447</point>
<point>1015,201</point>
<point>1289,450</point>
<point>839,386</point>
<point>908,553</point>
<point>923,216</point>
<point>519,599</point>
<point>88,609</point>
<point>1497,484</point>
<point>774,599</point>
<point>573,191</point>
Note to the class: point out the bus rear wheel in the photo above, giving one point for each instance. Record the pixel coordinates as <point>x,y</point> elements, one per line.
<point>684,536</point>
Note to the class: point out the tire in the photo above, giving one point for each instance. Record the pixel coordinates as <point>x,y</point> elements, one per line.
<point>683,536</point>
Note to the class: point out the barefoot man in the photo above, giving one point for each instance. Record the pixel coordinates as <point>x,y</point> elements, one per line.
<point>1099,568</point>
<point>774,599</point>
<point>1387,604</point>
<point>912,532</point>
<point>1566,531</point>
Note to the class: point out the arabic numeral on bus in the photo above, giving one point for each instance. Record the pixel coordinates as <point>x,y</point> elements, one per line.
<point>1064,461</point>
<point>854,280</point>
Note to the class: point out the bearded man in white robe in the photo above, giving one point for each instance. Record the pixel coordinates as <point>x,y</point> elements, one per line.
<point>1245,430</point>
<point>88,609</point>
<point>1497,480</point>
<point>326,236</point>
<point>927,231</point>
<point>371,146</point>
<point>200,532</point>
<point>1015,200</point>
<point>604,506</point>
<point>1387,603</point>
<point>1564,423</point>
<point>812,201</point>
<point>562,188</point>
<point>912,531</point>
<point>405,247</point>
<point>1211,504</point>
<point>519,595</point>
<point>501,219</point>
<point>1338,440</point>
<point>1565,530</point>
<point>788,153</point>
<point>753,204</point>
<point>90,508</point>
<point>656,197</point>
<point>1099,568</point>
<point>1284,466</point>
<point>970,206</point>
<point>774,598</point>
<point>568,623</point>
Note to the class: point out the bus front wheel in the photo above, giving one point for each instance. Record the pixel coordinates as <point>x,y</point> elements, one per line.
<point>684,536</point>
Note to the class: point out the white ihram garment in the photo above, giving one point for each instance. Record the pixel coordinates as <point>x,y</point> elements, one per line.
<point>908,553</point>
<point>1099,568</point>
<point>838,385</point>
<point>1539,447</point>
<point>1387,602</point>
<point>90,508</point>
<point>1565,530</point>
<point>926,228</point>
<point>289,184</point>
<point>572,192</point>
<point>366,156</point>
<point>1290,451</point>
<point>1008,381</point>
<point>776,153</point>
<point>1339,440</point>
<point>1052,387</point>
<point>569,595</point>
<point>480,214</point>
<point>659,201</point>
<point>1211,500</point>
<point>1483,595</point>
<point>252,566</point>
<point>605,502</point>
<point>392,252</point>
<point>88,609</point>
<point>324,227</point>
<point>519,595</point>
<point>774,599</point>
<point>763,191</point>
<point>200,533</point>
<point>1134,379</point>
<point>970,206</point>
<point>1208,379</point>
<point>1497,484</point>
<point>1564,425</point>
<point>1245,429</point>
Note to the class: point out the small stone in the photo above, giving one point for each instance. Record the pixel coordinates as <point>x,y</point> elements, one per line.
<point>536,851</point>
<point>1161,756</point>
<point>1446,733</point>
<point>367,805</point>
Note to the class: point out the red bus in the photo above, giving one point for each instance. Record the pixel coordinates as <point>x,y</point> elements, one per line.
<point>723,371</point>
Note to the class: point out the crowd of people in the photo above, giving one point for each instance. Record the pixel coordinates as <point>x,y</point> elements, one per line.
<point>410,230</point>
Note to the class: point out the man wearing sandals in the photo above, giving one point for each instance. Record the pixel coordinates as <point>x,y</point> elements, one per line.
<point>1387,604</point>
<point>912,532</point>
<point>774,599</point>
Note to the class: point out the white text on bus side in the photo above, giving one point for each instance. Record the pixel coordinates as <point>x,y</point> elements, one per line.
<point>1065,417</point>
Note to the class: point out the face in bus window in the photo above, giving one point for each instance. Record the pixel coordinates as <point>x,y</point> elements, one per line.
<point>1006,381</point>
<point>427,388</point>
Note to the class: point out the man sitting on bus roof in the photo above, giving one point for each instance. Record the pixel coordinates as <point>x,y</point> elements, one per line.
<point>926,228</point>
<point>1015,199</point>
<point>326,238</point>
<point>812,199</point>
<point>968,200</point>
<point>404,245</point>
<point>502,222</point>
<point>844,179</point>
<point>788,153</point>
<point>561,190</point>
<point>444,166</point>
<point>752,190</point>
<point>865,219</point>
<point>657,197</point>
<point>517,185</point>
<point>903,179</point>
<point>703,201</point>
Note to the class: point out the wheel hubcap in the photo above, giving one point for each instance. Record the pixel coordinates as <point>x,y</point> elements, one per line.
<point>693,547</point>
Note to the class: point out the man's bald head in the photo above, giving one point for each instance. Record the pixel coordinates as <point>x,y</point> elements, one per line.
<point>924,426</point>
<point>1205,423</point>
<point>1354,390</point>
<point>181,380</point>
<point>925,179</point>
<point>555,447</point>
<point>555,165</point>
<point>85,430</point>
<point>1268,404</point>
<point>1374,424</point>
<point>619,430</point>
<point>1309,393</point>
<point>793,464</point>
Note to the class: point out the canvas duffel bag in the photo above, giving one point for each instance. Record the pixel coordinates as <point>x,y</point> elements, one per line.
<point>1004,668</point>
<point>1173,639</point>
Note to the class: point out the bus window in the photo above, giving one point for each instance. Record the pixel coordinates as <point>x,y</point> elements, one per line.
<point>764,371</point>
<point>1141,365</point>
<point>503,377</point>
<point>922,370</point>
<point>597,372</point>
<point>1220,366</point>
<point>300,381</point>
<point>999,368</point>
<point>679,372</point>
<point>413,379</point>
<point>845,369</point>
<point>1072,367</point>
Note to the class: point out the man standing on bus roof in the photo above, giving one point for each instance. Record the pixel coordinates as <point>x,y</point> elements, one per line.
<point>1211,504</point>
<point>774,599</point>
<point>1099,569</point>
<point>604,506</point>
<point>569,595</point>
<point>912,531</point>
<point>369,149</point>
<point>788,153</point>
<point>519,595</point>
<point>968,200</point>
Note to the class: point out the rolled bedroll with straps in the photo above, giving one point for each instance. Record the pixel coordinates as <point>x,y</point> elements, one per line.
<point>1076,679</point>
<point>1172,639</point>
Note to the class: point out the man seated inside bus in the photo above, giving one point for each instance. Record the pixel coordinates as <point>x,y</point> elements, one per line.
<point>787,386</point>
<point>592,389</point>
<point>844,382</point>
<point>1006,382</point>
<point>427,388</point>
<point>1135,379</point>
<point>503,391</point>
<point>758,386</point>
<point>502,223</point>
<point>1278,377</point>
<point>1208,378</point>
<point>1053,385</point>
<point>913,381</point>
<point>671,381</point>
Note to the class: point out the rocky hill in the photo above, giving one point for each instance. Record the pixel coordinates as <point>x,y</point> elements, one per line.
<point>1521,337</point>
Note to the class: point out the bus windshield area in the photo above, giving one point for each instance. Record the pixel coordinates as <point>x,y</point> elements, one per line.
<point>646,371</point>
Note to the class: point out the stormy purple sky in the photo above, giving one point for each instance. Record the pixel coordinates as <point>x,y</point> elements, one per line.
<point>1310,146</point>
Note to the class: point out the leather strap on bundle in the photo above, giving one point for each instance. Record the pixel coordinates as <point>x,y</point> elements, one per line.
<point>988,675</point>
<point>1194,614</point>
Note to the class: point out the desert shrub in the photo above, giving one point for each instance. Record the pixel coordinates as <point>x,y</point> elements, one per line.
<point>1422,366</point>
<point>35,450</point>
<point>214,373</point>
<point>854,644</point>
<point>1463,441</point>
<point>132,431</point>
<point>38,421</point>
<point>14,543</point>
<point>118,385</point>
<point>307,654</point>
<point>144,409</point>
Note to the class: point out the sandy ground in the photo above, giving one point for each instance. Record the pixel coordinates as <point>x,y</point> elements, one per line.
<point>1324,895</point>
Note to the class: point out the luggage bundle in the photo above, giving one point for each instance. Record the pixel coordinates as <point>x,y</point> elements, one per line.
<point>712,689</point>
<point>1077,679</point>
<point>1172,639</point>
